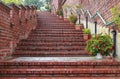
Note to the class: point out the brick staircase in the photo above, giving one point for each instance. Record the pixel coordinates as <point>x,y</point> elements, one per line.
<point>52,37</point>
<point>54,50</point>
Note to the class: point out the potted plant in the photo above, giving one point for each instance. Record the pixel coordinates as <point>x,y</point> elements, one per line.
<point>100,45</point>
<point>57,12</point>
<point>60,13</point>
<point>73,19</point>
<point>116,16</point>
<point>87,34</point>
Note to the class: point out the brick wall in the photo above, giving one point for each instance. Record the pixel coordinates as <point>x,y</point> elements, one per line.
<point>5,32</point>
<point>11,35</point>
<point>103,6</point>
<point>14,20</point>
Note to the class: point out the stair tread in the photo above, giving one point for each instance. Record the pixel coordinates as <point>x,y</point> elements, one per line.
<point>60,77</point>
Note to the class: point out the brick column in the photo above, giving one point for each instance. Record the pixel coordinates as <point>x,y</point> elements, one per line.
<point>35,16</point>
<point>27,18</point>
<point>23,21</point>
<point>15,26</point>
<point>32,17</point>
<point>5,31</point>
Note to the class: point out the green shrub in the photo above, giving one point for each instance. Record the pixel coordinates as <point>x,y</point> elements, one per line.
<point>57,12</point>
<point>72,18</point>
<point>60,13</point>
<point>100,44</point>
<point>86,31</point>
<point>116,15</point>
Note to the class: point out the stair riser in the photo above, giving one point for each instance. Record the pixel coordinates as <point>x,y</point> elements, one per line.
<point>43,54</point>
<point>104,64</point>
<point>34,33</point>
<point>54,66</point>
<point>42,36</point>
<point>50,44</point>
<point>53,47</point>
<point>50,41</point>
<point>24,72</point>
<point>50,49</point>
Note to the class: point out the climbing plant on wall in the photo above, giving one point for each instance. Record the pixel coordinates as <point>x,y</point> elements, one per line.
<point>116,15</point>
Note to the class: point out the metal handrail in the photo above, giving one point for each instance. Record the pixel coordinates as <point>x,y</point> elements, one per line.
<point>90,15</point>
<point>93,16</point>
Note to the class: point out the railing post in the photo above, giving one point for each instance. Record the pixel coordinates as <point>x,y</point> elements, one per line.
<point>95,27</point>
<point>114,32</point>
<point>86,21</point>
<point>79,19</point>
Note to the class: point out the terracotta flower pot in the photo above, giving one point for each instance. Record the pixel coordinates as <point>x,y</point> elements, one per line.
<point>79,27</point>
<point>61,17</point>
<point>66,19</point>
<point>72,23</point>
<point>86,37</point>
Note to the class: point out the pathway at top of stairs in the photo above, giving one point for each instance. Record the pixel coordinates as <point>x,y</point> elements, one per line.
<point>55,50</point>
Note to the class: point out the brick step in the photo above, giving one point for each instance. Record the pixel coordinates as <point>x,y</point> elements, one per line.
<point>72,34</point>
<point>39,32</point>
<point>54,35</point>
<point>53,40</point>
<point>45,20</point>
<point>55,24</point>
<point>113,72</point>
<point>60,28</point>
<point>64,25</point>
<point>61,24</point>
<point>48,53</point>
<point>56,27</point>
<point>60,77</point>
<point>57,31</point>
<point>50,48</point>
<point>58,38</point>
<point>55,65</point>
<point>52,44</point>
<point>66,30</point>
<point>53,21</point>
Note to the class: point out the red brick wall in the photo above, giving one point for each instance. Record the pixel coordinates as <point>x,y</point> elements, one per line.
<point>5,32</point>
<point>10,36</point>
<point>15,20</point>
<point>103,6</point>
